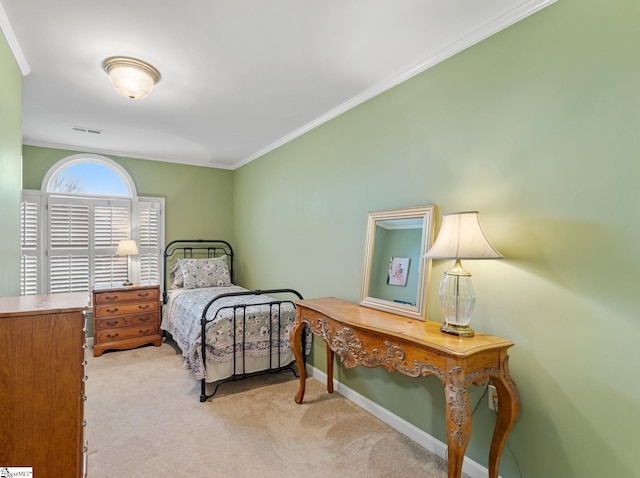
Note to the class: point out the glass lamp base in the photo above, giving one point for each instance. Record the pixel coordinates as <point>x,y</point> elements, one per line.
<point>457,298</point>
<point>459,330</point>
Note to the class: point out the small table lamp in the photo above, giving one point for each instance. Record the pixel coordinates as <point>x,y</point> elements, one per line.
<point>127,248</point>
<point>461,237</point>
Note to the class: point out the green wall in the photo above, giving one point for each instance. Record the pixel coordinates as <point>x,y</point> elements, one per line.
<point>537,128</point>
<point>198,200</point>
<point>395,243</point>
<point>10,170</point>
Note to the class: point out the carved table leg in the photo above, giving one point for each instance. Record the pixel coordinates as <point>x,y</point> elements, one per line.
<point>508,411</point>
<point>329,369</point>
<point>296,345</point>
<point>458,413</point>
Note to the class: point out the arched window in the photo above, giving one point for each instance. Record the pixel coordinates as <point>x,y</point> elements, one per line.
<point>71,229</point>
<point>88,174</point>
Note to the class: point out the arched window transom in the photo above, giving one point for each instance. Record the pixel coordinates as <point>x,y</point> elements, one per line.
<point>89,175</point>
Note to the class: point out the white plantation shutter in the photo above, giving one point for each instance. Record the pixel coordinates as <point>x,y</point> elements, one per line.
<point>29,236</point>
<point>111,224</point>
<point>28,275</point>
<point>69,244</point>
<point>150,238</point>
<point>84,235</point>
<point>109,269</point>
<point>69,273</point>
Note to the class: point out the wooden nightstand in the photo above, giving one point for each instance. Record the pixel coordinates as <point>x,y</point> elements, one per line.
<point>126,317</point>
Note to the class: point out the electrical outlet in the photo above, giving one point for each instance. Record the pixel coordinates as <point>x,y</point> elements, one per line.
<point>493,398</point>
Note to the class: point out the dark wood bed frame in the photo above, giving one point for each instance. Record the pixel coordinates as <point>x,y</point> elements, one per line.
<point>204,248</point>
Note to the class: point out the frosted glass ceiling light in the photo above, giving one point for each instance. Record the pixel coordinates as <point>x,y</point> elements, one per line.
<point>461,237</point>
<point>130,77</point>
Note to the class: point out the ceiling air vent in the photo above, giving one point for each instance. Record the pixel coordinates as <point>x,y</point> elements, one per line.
<point>82,129</point>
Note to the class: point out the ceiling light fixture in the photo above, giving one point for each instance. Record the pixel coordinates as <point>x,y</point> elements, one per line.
<point>130,77</point>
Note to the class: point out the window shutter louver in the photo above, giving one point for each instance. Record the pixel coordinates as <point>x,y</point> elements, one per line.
<point>109,269</point>
<point>28,275</point>
<point>69,273</point>
<point>69,245</point>
<point>29,263</point>
<point>69,226</point>
<point>150,239</point>
<point>111,224</point>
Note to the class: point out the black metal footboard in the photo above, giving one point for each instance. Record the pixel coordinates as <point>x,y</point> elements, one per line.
<point>240,314</point>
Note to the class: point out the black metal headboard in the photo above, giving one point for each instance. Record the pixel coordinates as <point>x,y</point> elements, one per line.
<point>194,249</point>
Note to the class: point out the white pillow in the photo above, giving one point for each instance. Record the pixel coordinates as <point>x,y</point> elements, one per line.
<point>175,276</point>
<point>199,273</point>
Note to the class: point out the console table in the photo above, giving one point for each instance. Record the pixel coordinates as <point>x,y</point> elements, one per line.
<point>372,338</point>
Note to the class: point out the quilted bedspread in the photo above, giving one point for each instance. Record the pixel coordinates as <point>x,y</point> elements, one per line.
<point>181,318</point>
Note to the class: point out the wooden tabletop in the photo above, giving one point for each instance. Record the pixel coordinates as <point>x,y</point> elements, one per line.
<point>426,333</point>
<point>43,304</point>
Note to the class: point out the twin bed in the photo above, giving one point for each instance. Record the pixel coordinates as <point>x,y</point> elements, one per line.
<point>225,332</point>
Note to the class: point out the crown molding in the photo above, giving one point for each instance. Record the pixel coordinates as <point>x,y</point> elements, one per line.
<point>120,154</point>
<point>14,46</point>
<point>519,12</point>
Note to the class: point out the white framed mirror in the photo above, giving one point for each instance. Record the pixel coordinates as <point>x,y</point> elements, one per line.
<point>395,274</point>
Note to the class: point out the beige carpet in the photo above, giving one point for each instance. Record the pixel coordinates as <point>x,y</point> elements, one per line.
<point>144,419</point>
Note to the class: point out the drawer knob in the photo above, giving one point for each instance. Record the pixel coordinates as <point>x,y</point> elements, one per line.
<point>143,294</point>
<point>112,322</point>
<point>110,297</point>
<point>113,311</point>
<point>143,332</point>
<point>112,336</point>
<point>144,307</point>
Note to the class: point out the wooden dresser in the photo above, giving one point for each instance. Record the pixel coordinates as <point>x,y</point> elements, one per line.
<point>42,374</point>
<point>125,317</point>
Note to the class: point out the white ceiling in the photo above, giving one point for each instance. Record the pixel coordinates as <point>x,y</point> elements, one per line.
<point>239,77</point>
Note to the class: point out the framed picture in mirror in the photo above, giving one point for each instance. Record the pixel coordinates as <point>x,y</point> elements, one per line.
<point>398,271</point>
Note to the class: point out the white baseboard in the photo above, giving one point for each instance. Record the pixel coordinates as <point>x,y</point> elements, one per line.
<point>422,438</point>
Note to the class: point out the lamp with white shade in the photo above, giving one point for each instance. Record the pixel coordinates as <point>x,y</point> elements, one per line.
<point>461,237</point>
<point>127,248</point>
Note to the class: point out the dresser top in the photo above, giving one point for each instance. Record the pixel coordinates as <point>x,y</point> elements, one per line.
<point>43,304</point>
<point>120,288</point>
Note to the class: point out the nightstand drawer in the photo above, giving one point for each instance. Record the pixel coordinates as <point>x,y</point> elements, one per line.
<point>126,296</point>
<point>125,308</point>
<point>126,321</point>
<point>146,319</point>
<point>110,323</point>
<point>127,333</point>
